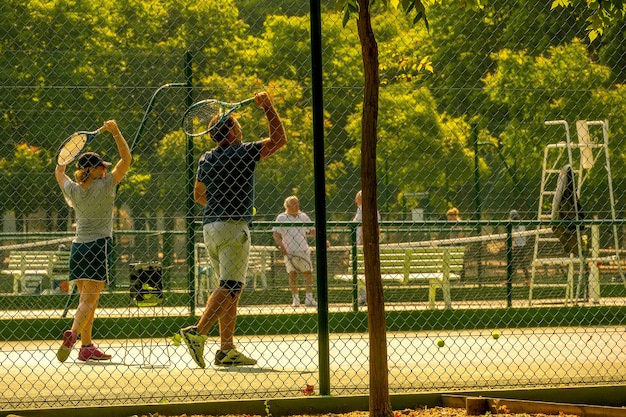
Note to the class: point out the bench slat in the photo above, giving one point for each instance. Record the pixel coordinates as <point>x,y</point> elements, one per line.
<point>259,262</point>
<point>435,265</point>
<point>42,263</point>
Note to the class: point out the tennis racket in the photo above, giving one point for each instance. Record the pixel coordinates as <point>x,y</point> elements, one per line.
<point>300,263</point>
<point>74,146</point>
<point>197,117</point>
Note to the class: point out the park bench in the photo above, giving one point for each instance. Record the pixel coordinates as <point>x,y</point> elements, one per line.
<point>435,266</point>
<point>28,268</point>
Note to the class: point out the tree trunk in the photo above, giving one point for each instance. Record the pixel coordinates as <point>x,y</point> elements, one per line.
<point>379,403</point>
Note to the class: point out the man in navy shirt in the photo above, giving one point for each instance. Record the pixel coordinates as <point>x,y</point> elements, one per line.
<point>225,187</point>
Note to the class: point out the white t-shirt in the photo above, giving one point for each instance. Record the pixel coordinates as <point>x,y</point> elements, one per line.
<point>294,237</point>
<point>519,240</point>
<point>358,217</point>
<point>93,207</point>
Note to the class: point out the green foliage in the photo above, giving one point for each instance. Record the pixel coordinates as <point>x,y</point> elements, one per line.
<point>285,50</point>
<point>415,10</point>
<point>545,87</point>
<point>605,13</point>
<point>413,139</point>
<point>70,65</point>
<point>27,166</point>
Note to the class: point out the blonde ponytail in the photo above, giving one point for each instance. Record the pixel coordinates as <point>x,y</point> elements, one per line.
<point>81,175</point>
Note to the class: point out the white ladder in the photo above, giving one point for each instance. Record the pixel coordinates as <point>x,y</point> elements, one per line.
<point>555,155</point>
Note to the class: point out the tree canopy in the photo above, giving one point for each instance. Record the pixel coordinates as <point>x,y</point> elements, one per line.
<point>504,67</point>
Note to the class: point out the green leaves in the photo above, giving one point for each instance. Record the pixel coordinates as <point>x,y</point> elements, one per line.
<point>350,7</point>
<point>605,13</point>
<point>560,3</point>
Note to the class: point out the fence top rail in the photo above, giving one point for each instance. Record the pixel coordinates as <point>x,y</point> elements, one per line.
<point>445,223</point>
<point>331,225</point>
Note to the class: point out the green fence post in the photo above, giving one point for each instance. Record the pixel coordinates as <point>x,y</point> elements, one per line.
<point>320,194</point>
<point>509,264</point>
<point>189,218</point>
<point>167,259</point>
<point>354,266</point>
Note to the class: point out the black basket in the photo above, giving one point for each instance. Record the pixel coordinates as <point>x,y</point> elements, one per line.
<point>146,284</point>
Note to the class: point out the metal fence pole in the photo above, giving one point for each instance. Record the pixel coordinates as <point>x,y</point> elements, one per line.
<point>189,218</point>
<point>320,196</point>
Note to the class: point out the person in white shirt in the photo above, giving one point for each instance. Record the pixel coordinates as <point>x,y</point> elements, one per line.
<point>292,242</point>
<point>358,217</point>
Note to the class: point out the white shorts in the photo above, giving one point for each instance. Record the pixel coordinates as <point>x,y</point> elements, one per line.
<point>228,246</point>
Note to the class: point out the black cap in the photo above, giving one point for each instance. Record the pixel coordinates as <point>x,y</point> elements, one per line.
<point>91,160</point>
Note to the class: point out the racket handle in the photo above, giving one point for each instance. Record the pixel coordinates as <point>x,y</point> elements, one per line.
<point>100,129</point>
<point>246,101</point>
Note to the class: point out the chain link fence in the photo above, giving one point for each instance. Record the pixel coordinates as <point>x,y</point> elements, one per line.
<point>500,177</point>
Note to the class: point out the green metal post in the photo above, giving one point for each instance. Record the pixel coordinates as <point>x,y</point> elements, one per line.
<point>189,218</point>
<point>354,266</point>
<point>509,264</point>
<point>168,257</point>
<point>320,196</point>
<point>477,208</point>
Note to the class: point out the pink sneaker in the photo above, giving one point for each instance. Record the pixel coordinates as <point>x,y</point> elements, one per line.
<point>69,339</point>
<point>92,353</point>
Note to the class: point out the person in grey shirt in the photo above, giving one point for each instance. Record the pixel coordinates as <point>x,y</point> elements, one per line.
<point>92,196</point>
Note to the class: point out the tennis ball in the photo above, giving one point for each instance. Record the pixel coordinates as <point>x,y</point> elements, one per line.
<point>440,343</point>
<point>254,211</point>
<point>495,334</point>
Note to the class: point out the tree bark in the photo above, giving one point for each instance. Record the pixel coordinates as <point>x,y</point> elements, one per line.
<point>379,402</point>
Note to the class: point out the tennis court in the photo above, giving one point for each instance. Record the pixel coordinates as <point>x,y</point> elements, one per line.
<point>468,360</point>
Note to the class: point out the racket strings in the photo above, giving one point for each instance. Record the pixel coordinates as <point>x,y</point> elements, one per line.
<point>198,119</point>
<point>71,149</point>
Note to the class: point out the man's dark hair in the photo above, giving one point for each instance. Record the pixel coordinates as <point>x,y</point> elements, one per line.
<point>220,130</point>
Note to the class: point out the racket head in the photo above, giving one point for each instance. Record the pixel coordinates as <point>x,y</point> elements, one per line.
<point>198,116</point>
<point>74,146</point>
<point>207,115</point>
<point>300,263</point>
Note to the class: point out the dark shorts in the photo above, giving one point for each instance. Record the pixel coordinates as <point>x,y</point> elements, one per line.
<point>91,260</point>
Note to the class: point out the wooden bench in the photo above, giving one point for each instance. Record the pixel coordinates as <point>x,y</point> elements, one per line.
<point>436,266</point>
<point>25,265</point>
<point>260,264</point>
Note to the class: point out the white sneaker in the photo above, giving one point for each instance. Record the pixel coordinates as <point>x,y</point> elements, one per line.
<point>232,357</point>
<point>310,302</point>
<point>295,302</point>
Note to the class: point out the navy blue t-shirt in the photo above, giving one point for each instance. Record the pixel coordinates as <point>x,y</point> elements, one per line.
<point>228,175</point>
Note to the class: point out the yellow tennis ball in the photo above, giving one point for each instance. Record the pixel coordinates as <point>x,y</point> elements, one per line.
<point>254,211</point>
<point>495,334</point>
<point>440,343</point>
